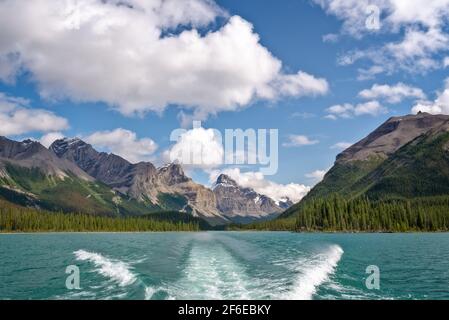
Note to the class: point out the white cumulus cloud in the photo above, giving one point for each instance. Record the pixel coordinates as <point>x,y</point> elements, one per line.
<point>317,175</point>
<point>197,148</point>
<point>346,111</point>
<point>439,106</point>
<point>143,55</point>
<point>299,141</point>
<point>17,117</point>
<point>124,143</point>
<point>420,28</point>
<point>392,94</point>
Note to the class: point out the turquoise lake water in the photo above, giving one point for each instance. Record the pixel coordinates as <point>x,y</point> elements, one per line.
<point>224,265</point>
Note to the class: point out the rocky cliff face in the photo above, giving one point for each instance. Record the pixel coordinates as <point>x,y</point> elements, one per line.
<point>201,200</point>
<point>135,180</point>
<point>142,181</point>
<point>243,204</point>
<point>390,136</point>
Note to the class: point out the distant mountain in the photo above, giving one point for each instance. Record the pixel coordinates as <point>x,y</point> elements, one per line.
<point>405,158</point>
<point>33,176</point>
<point>244,205</point>
<point>30,154</point>
<point>167,187</point>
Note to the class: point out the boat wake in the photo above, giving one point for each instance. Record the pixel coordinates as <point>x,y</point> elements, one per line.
<point>116,270</point>
<point>313,272</point>
<point>212,271</point>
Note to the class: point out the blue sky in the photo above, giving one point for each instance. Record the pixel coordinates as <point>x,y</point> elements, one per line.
<point>409,50</point>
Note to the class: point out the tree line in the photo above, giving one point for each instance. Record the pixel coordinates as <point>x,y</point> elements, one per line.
<point>337,214</point>
<point>20,219</point>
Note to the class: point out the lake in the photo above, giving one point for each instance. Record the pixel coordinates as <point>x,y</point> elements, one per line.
<point>225,265</point>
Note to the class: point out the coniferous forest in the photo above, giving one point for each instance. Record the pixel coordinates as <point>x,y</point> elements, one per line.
<point>337,214</point>
<point>19,219</point>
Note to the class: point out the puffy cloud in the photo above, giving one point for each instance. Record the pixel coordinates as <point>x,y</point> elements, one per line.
<point>432,13</point>
<point>140,56</point>
<point>422,24</point>
<point>340,110</point>
<point>47,139</point>
<point>392,94</point>
<point>317,175</point>
<point>419,43</point>
<point>16,118</point>
<point>372,108</point>
<point>446,62</point>
<point>197,148</point>
<point>369,73</point>
<point>258,182</point>
<point>299,141</point>
<point>124,143</point>
<point>417,52</point>
<point>342,145</point>
<point>439,106</point>
<point>394,13</point>
<point>417,48</point>
<point>300,84</point>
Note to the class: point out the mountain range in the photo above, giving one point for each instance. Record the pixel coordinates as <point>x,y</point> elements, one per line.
<point>406,158</point>
<point>71,176</point>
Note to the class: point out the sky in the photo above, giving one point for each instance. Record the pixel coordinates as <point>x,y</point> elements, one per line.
<point>123,75</point>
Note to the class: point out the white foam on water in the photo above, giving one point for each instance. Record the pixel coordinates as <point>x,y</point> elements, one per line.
<point>313,272</point>
<point>211,273</point>
<point>149,292</point>
<point>116,270</point>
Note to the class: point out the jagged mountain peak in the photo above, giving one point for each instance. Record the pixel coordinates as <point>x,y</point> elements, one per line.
<point>172,167</point>
<point>243,204</point>
<point>14,149</point>
<point>62,146</point>
<point>226,181</point>
<point>32,154</point>
<point>172,174</point>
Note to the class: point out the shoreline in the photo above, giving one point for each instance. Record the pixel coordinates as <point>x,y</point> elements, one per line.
<point>205,231</point>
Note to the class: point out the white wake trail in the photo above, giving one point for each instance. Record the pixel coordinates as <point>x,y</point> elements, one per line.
<point>314,272</point>
<point>116,270</point>
<point>211,273</point>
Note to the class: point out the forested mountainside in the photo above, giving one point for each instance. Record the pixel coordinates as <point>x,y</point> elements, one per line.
<point>395,179</point>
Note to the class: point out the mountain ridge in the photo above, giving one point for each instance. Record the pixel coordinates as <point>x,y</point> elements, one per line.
<point>404,158</point>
